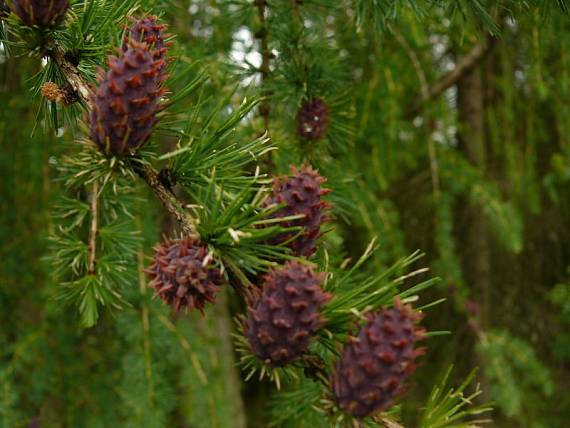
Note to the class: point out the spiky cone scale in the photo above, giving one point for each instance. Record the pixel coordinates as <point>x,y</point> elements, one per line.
<point>40,13</point>
<point>375,364</point>
<point>300,194</point>
<point>126,102</point>
<point>183,275</point>
<point>283,319</point>
<point>148,30</point>
<point>313,119</point>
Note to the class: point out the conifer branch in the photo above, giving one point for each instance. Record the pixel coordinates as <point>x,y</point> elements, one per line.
<point>296,12</point>
<point>389,423</point>
<point>145,317</point>
<point>92,245</point>
<point>165,196</point>
<point>464,66</point>
<point>146,172</point>
<point>72,74</point>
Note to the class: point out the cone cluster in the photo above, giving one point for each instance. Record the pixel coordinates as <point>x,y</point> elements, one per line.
<point>281,322</point>
<point>40,13</point>
<point>126,102</point>
<point>375,364</point>
<point>183,274</point>
<point>313,119</point>
<point>301,194</point>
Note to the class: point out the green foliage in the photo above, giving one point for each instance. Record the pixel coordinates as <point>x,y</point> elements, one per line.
<point>298,406</point>
<point>452,407</point>
<point>238,227</point>
<point>448,265</point>
<point>515,373</point>
<point>355,292</point>
<point>463,178</point>
<point>208,377</point>
<point>148,386</point>
<point>216,151</point>
<point>560,296</point>
<point>92,280</point>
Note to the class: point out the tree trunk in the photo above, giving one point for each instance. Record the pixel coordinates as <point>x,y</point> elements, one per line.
<point>472,223</point>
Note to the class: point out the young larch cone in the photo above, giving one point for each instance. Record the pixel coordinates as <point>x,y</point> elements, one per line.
<point>148,30</point>
<point>313,119</point>
<point>125,104</point>
<point>285,316</point>
<point>183,275</point>
<point>374,366</point>
<point>301,193</point>
<point>41,13</point>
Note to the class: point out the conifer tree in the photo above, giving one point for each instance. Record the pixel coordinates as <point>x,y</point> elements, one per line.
<point>258,166</point>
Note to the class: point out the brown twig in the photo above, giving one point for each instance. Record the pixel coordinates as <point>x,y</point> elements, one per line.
<point>165,196</point>
<point>72,73</point>
<point>264,69</point>
<point>467,63</point>
<point>92,245</point>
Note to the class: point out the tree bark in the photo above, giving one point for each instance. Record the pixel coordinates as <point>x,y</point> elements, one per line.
<point>472,228</point>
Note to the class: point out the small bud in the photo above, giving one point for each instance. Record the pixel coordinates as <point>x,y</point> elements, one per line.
<point>54,93</point>
<point>313,119</point>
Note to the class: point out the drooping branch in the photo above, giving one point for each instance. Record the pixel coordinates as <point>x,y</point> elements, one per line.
<point>145,318</point>
<point>434,169</point>
<point>93,230</point>
<point>264,69</point>
<point>466,64</point>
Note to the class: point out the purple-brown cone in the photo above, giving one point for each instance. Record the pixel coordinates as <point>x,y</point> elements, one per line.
<point>148,30</point>
<point>301,193</point>
<point>126,102</point>
<point>280,324</point>
<point>374,366</point>
<point>313,119</point>
<point>40,13</point>
<point>182,276</point>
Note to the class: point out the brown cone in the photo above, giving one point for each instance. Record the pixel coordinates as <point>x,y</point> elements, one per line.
<point>280,324</point>
<point>182,276</point>
<point>125,104</point>
<point>375,364</point>
<point>301,193</point>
